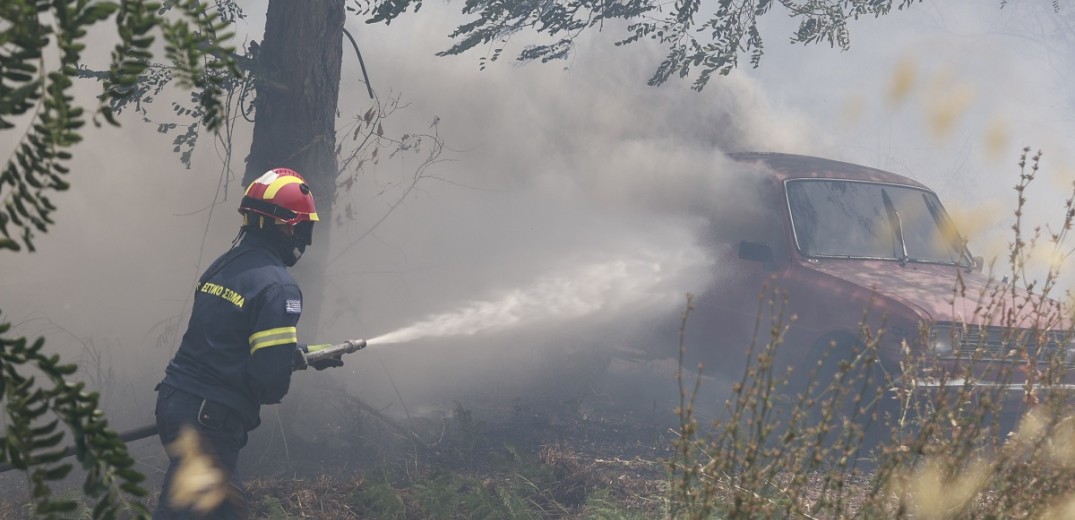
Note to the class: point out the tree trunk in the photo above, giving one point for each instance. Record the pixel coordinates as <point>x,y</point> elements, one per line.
<point>298,82</point>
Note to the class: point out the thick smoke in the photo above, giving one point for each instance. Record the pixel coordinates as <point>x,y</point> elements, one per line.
<point>559,171</point>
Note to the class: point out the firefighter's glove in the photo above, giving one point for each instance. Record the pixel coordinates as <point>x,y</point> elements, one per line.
<point>298,361</point>
<point>322,364</point>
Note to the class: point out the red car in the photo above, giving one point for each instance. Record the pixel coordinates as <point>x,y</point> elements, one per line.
<point>848,245</point>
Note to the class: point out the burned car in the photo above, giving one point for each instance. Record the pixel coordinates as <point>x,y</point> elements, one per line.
<point>838,256</point>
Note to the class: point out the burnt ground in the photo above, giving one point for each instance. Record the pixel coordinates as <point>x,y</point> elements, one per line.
<point>529,463</point>
<point>596,453</point>
<point>600,453</point>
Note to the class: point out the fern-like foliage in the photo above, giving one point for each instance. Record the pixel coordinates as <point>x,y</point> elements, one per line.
<point>36,96</point>
<point>41,406</point>
<point>212,75</point>
<point>710,47</point>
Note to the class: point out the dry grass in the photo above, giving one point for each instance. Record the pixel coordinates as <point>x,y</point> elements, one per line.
<point>557,482</point>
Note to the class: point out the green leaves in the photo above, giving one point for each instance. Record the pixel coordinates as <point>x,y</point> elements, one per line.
<point>702,49</point>
<point>39,100</point>
<point>188,49</point>
<point>36,414</point>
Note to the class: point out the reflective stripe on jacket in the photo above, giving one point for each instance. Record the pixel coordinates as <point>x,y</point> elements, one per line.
<point>241,339</point>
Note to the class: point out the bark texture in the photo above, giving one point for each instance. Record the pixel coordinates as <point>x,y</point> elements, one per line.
<point>298,83</point>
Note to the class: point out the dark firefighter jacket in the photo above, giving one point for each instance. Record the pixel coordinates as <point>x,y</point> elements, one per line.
<point>240,343</point>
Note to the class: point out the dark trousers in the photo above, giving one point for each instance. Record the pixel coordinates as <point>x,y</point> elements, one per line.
<point>220,436</point>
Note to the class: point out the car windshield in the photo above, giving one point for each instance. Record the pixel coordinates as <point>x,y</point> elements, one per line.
<point>854,219</point>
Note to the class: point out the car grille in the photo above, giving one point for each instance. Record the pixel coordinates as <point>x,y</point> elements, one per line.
<point>1000,342</point>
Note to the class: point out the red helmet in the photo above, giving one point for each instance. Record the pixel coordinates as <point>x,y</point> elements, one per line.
<point>280,194</point>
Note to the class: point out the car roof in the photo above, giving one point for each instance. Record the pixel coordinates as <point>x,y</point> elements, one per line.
<point>791,166</point>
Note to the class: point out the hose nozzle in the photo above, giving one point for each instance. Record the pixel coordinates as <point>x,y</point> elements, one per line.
<point>347,347</point>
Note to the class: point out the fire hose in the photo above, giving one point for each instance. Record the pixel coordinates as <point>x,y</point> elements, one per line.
<point>313,356</point>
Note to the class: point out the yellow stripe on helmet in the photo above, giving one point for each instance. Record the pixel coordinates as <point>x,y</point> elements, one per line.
<point>275,186</point>
<point>273,337</point>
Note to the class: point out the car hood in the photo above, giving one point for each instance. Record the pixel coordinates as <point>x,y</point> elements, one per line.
<point>931,289</point>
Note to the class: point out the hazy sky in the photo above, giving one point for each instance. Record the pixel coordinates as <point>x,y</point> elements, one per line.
<point>568,183</point>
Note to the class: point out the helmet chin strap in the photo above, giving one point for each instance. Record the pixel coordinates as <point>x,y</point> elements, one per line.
<point>238,237</point>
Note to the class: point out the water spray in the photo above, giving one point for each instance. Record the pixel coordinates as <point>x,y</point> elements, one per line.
<point>644,279</point>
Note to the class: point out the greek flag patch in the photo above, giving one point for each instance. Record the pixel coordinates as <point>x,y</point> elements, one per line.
<point>293,307</point>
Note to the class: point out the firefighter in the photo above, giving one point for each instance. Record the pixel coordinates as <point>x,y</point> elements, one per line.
<point>238,352</point>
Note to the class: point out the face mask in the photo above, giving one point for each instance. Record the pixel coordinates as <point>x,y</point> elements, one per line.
<point>303,236</point>
<point>296,254</point>
<point>288,248</point>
